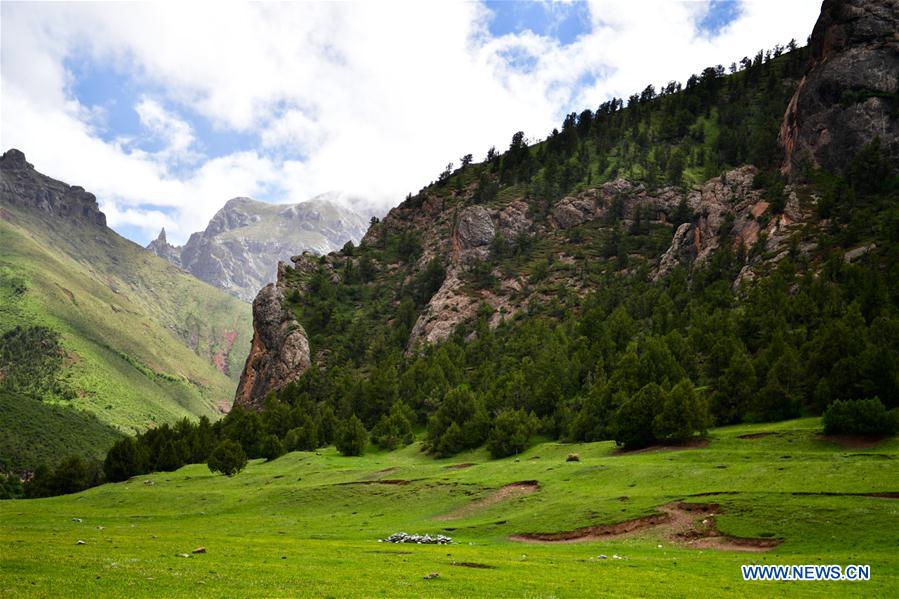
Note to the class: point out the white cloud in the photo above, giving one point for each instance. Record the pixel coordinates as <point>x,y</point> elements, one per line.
<point>369,98</point>
<point>177,135</point>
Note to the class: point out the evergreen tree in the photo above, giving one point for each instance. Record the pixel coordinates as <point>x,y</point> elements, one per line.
<point>228,458</point>
<point>271,448</point>
<point>352,437</point>
<point>512,429</point>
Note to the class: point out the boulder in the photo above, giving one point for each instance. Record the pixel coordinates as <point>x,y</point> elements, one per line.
<point>475,227</point>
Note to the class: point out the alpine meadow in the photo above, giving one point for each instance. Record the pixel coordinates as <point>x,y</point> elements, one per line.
<point>654,353</point>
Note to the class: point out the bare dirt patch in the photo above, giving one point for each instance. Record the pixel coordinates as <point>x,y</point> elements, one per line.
<point>851,441</point>
<point>509,491</point>
<point>458,466</point>
<point>698,443</point>
<point>758,435</point>
<point>688,524</point>
<point>379,481</point>
<point>474,565</point>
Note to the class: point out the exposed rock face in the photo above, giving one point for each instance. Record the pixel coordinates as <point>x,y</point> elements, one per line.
<point>573,211</point>
<point>850,93</point>
<point>475,227</point>
<point>21,184</point>
<point>730,195</point>
<point>279,353</point>
<point>240,248</point>
<point>162,248</point>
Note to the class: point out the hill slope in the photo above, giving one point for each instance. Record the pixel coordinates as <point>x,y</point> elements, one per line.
<point>143,342</point>
<point>645,270</point>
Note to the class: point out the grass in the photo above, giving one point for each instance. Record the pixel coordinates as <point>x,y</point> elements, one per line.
<point>33,432</point>
<point>307,524</point>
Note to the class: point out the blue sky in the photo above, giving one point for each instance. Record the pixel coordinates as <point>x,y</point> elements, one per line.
<point>166,111</point>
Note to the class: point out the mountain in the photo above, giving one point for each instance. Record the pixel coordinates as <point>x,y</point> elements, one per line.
<point>96,334</point>
<point>714,252</point>
<point>244,241</point>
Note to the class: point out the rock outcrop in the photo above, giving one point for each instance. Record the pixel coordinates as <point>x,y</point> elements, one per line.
<point>279,353</point>
<point>241,246</point>
<point>520,251</point>
<point>165,250</point>
<point>22,185</point>
<point>850,95</point>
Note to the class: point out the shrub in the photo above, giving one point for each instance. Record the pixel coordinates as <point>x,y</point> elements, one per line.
<point>683,413</point>
<point>511,432</point>
<point>228,458</point>
<point>352,437</point>
<point>860,417</point>
<point>125,459</point>
<point>72,475</point>
<point>11,487</point>
<point>394,429</point>
<point>272,448</point>
<point>461,422</point>
<point>634,418</point>
<point>303,437</point>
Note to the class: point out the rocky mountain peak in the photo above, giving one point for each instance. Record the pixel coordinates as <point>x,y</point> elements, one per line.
<point>241,246</point>
<point>850,93</point>
<point>162,248</point>
<point>21,185</point>
<point>14,159</point>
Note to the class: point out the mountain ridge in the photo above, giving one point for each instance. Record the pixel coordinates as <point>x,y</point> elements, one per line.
<point>240,248</point>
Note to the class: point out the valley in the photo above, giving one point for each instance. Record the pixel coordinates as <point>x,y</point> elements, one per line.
<point>308,523</point>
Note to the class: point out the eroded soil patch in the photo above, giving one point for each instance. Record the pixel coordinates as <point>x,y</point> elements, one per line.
<point>851,441</point>
<point>692,444</point>
<point>458,466</point>
<point>688,524</point>
<point>378,481</point>
<point>509,491</point>
<point>474,565</point>
<point>758,435</point>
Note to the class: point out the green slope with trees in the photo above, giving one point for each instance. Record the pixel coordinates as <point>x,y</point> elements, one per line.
<point>93,324</point>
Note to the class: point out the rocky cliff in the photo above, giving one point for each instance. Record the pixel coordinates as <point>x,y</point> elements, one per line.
<point>850,96</point>
<point>24,186</point>
<point>279,353</point>
<point>244,241</point>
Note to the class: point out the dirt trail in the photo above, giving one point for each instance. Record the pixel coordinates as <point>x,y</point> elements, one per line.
<point>688,524</point>
<point>509,491</point>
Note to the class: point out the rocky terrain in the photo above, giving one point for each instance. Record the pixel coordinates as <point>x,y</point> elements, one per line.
<point>846,100</point>
<point>241,246</point>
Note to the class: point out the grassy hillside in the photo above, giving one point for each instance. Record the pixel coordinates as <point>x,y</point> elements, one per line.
<point>34,432</point>
<point>145,343</point>
<point>308,523</point>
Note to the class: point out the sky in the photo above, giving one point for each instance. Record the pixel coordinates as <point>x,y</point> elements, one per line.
<point>167,110</point>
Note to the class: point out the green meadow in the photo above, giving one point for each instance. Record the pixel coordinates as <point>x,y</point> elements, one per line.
<point>308,523</point>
